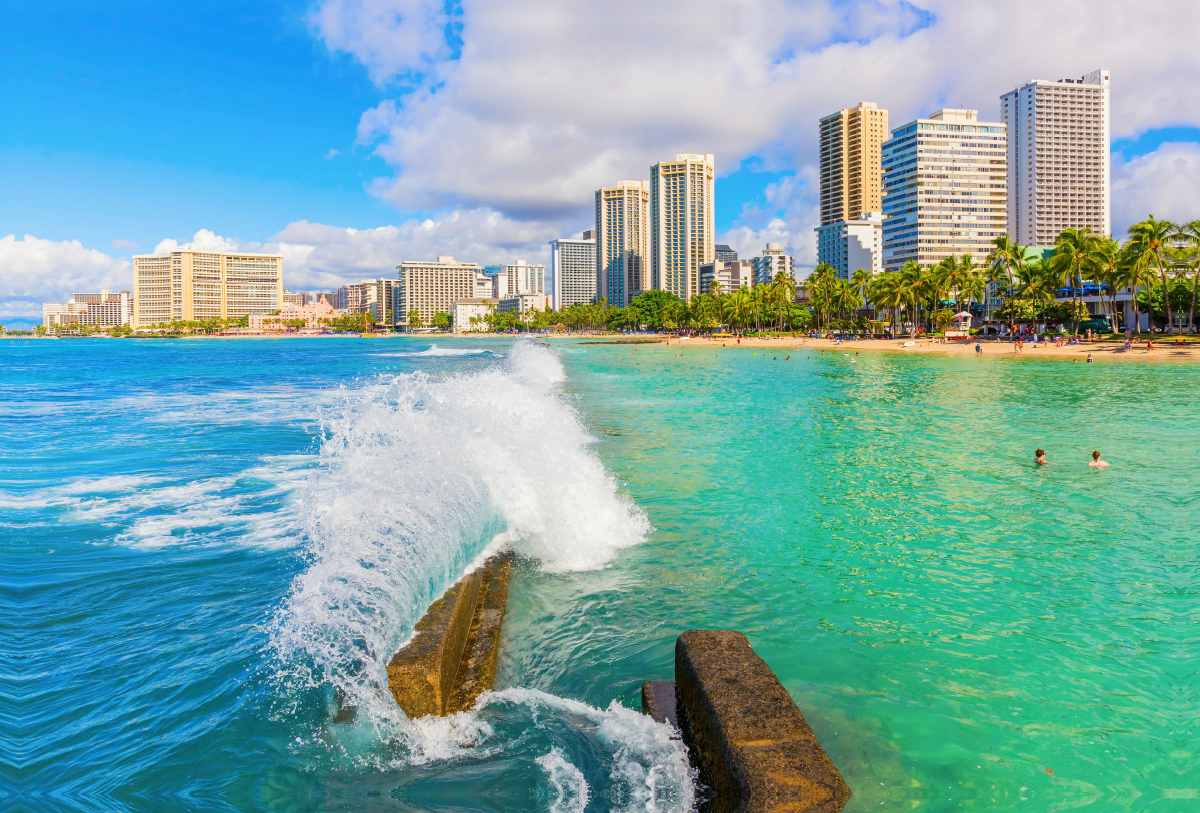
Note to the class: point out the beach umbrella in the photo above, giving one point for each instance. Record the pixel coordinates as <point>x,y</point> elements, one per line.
<point>963,315</point>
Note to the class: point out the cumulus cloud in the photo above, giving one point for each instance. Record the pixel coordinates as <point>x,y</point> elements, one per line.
<point>1162,183</point>
<point>34,270</point>
<point>329,156</point>
<point>546,101</point>
<point>206,240</point>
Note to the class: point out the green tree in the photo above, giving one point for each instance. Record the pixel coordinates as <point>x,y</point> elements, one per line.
<point>414,320</point>
<point>1075,257</point>
<point>441,320</point>
<point>649,306</point>
<point>1149,240</point>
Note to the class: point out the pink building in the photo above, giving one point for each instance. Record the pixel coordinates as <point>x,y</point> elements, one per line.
<point>311,314</point>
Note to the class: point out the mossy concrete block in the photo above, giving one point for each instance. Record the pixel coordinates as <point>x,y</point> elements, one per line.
<point>658,701</point>
<point>759,753</point>
<point>477,671</point>
<point>421,675</point>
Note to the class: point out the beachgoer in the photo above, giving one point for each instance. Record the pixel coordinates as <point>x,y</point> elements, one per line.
<point>978,350</point>
<point>1040,457</point>
<point>1097,463</point>
<point>1089,361</point>
<point>1149,345</point>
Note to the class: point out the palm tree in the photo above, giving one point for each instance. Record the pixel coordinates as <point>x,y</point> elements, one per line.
<point>820,282</point>
<point>1150,239</point>
<point>862,281</point>
<point>1107,269</point>
<point>783,290</point>
<point>1074,253</point>
<point>1188,234</point>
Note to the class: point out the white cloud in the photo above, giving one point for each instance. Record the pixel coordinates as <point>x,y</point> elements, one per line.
<point>546,101</point>
<point>34,270</point>
<point>329,156</point>
<point>124,245</point>
<point>204,239</point>
<point>1162,183</point>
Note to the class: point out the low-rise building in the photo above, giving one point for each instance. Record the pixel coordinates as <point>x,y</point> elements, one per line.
<point>771,262</point>
<point>731,275</point>
<point>476,308</point>
<point>849,245</point>
<point>312,314</point>
<point>522,304</point>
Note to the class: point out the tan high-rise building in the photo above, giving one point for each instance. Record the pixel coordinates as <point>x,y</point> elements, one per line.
<point>681,222</point>
<point>622,241</point>
<point>1058,160</point>
<point>851,173</point>
<point>192,285</point>
<point>432,287</point>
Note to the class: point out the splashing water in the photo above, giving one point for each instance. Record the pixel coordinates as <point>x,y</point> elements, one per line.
<point>566,781</point>
<point>420,477</point>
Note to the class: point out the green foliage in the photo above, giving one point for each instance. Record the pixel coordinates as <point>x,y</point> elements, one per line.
<point>441,320</point>
<point>651,307</point>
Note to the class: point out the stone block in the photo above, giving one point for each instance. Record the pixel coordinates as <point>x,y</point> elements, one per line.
<point>757,751</point>
<point>658,701</point>
<point>421,674</point>
<point>477,670</point>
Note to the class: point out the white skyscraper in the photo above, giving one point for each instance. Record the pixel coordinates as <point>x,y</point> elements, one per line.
<point>681,222</point>
<point>622,241</point>
<point>573,271</point>
<point>1058,165</point>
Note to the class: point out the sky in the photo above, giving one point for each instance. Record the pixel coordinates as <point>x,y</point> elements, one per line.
<point>350,135</point>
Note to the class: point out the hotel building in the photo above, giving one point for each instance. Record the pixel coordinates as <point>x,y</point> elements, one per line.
<point>573,271</point>
<point>432,287</point>
<point>1058,162</point>
<point>104,309</point>
<point>853,244</point>
<point>681,222</point>
<point>944,182</point>
<point>191,284</point>
<point>723,253</point>
<point>771,262</point>
<point>622,241</point>
<point>851,181</point>
<point>379,296</point>
<point>731,275</point>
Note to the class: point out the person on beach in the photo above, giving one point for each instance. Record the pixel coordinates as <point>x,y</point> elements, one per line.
<point>1089,361</point>
<point>978,350</point>
<point>1040,457</point>
<point>1149,345</point>
<point>1097,463</point>
<point>1128,344</point>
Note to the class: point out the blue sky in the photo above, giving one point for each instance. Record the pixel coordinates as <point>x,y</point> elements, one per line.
<point>351,133</point>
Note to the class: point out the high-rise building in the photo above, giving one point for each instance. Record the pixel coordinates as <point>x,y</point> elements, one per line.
<point>379,296</point>
<point>103,309</point>
<point>572,271</point>
<point>525,279</point>
<point>851,173</point>
<point>771,262</point>
<point>681,222</point>
<point>296,297</point>
<point>622,241</point>
<point>1058,164</point>
<point>192,284</point>
<point>723,253</point>
<point>849,245</point>
<point>433,287</point>
<point>944,181</point>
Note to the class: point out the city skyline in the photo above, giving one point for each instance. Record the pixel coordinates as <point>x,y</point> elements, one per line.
<point>343,182</point>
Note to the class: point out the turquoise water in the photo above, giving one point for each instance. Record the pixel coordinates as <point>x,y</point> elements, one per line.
<point>206,544</point>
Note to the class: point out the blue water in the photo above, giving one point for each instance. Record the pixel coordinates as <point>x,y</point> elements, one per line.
<point>208,545</point>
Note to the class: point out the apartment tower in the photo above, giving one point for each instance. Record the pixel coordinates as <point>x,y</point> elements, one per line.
<point>944,189</point>
<point>681,215</point>
<point>851,173</point>
<point>1058,165</point>
<point>191,285</point>
<point>573,271</point>
<point>622,241</point>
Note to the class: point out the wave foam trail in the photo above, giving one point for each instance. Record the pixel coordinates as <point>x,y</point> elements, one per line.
<point>434,351</point>
<point>419,476</point>
<point>568,783</point>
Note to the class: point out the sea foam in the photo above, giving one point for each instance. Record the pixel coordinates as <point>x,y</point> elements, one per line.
<point>419,476</point>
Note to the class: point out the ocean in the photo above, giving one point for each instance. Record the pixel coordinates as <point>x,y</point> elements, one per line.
<point>210,546</point>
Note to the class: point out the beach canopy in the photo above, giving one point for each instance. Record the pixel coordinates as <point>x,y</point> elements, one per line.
<point>963,315</point>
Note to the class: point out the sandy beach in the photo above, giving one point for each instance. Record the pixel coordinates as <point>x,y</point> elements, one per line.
<point>1163,349</point>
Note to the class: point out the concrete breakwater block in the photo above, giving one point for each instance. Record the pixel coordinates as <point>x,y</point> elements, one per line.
<point>751,743</point>
<point>452,658</point>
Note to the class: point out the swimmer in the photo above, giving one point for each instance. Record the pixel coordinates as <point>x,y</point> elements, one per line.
<point>789,358</point>
<point>1089,361</point>
<point>1097,463</point>
<point>1040,457</point>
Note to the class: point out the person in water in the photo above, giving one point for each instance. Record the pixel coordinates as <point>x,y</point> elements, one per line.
<point>1097,463</point>
<point>1040,457</point>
